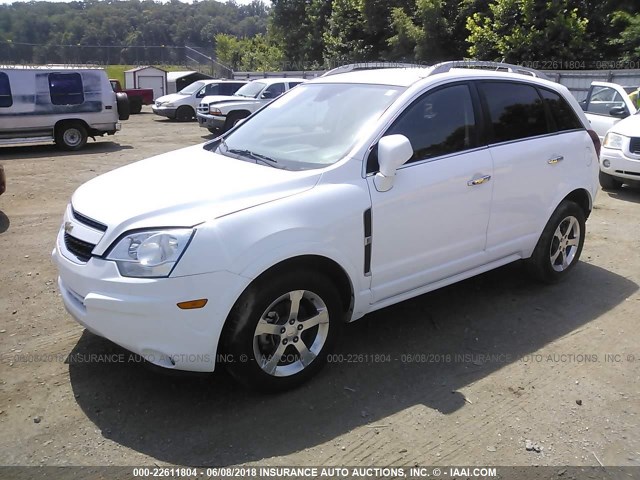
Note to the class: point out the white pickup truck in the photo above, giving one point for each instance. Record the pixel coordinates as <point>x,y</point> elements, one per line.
<point>219,113</point>
<point>606,104</point>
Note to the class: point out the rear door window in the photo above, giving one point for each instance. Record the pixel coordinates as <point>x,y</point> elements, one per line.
<point>515,111</point>
<point>66,88</point>
<point>6,99</point>
<point>563,115</point>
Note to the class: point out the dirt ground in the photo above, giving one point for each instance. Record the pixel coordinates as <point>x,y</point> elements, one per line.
<point>467,375</point>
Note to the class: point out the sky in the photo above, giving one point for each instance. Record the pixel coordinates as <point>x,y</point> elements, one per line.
<point>6,2</point>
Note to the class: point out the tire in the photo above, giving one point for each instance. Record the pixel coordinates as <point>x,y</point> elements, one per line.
<point>215,131</point>
<point>124,107</point>
<point>300,340</point>
<point>560,245</point>
<point>185,113</point>
<point>608,182</point>
<point>232,119</point>
<point>136,105</point>
<point>71,136</point>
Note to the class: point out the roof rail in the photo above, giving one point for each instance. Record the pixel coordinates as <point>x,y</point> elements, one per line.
<point>354,67</point>
<point>480,64</point>
<point>440,67</point>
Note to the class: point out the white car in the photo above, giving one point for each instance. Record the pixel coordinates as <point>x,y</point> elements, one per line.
<point>350,193</point>
<point>182,106</point>
<point>219,113</point>
<point>620,156</point>
<point>606,104</point>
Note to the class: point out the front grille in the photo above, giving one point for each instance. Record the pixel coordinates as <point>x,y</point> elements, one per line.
<point>203,108</point>
<point>624,172</point>
<point>634,145</point>
<point>88,221</point>
<point>79,248</point>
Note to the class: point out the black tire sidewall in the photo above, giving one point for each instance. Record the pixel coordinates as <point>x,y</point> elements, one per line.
<point>540,263</point>
<point>181,117</point>
<point>238,334</point>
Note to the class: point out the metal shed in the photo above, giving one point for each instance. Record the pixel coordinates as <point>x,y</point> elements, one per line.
<point>176,81</point>
<point>147,77</point>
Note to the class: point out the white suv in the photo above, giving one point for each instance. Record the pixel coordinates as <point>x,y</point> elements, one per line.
<point>347,194</point>
<point>620,157</point>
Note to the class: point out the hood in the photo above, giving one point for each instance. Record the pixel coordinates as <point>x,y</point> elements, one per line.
<point>182,189</point>
<point>629,127</point>
<point>224,98</point>
<point>172,97</point>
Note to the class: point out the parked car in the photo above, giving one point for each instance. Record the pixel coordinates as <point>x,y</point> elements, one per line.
<point>182,106</point>
<point>137,96</point>
<point>606,104</point>
<point>64,105</point>
<point>620,157</point>
<point>220,113</point>
<point>3,181</point>
<point>345,195</point>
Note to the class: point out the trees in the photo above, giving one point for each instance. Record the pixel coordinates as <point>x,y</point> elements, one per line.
<point>521,30</point>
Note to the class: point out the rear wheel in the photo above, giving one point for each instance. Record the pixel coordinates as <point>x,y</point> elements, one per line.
<point>609,182</point>
<point>213,130</point>
<point>71,136</point>
<point>560,244</point>
<point>280,331</point>
<point>185,113</point>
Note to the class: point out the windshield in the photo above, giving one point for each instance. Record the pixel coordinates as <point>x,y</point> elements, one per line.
<point>312,126</point>
<point>251,89</point>
<point>193,88</point>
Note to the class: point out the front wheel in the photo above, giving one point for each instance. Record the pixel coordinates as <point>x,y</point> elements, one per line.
<point>184,113</point>
<point>560,245</point>
<point>281,330</point>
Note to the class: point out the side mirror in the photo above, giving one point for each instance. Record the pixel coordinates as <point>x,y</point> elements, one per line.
<point>619,112</point>
<point>393,152</point>
<point>266,95</point>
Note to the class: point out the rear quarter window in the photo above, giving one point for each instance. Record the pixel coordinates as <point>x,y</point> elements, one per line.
<point>563,115</point>
<point>516,111</point>
<point>66,88</point>
<point>6,99</point>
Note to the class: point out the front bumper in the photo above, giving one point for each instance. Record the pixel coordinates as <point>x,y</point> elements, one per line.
<point>210,121</point>
<point>141,315</point>
<point>622,164</point>
<point>164,112</point>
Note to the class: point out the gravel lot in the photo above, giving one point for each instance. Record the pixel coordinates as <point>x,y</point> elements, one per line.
<point>472,374</point>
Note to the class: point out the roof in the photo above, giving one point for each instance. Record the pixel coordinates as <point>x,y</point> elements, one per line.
<point>144,68</point>
<point>50,67</point>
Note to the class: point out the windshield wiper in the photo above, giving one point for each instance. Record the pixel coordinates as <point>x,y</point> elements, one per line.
<point>255,156</point>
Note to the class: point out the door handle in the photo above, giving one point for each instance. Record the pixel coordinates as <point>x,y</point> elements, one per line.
<point>479,181</point>
<point>556,159</point>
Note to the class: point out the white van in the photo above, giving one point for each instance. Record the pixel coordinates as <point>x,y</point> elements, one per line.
<point>61,104</point>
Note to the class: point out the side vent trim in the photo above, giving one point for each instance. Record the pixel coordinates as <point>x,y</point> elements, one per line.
<point>367,242</point>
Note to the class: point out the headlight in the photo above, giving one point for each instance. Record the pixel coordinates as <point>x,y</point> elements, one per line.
<point>168,104</point>
<point>613,141</point>
<point>153,253</point>
<point>215,111</point>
